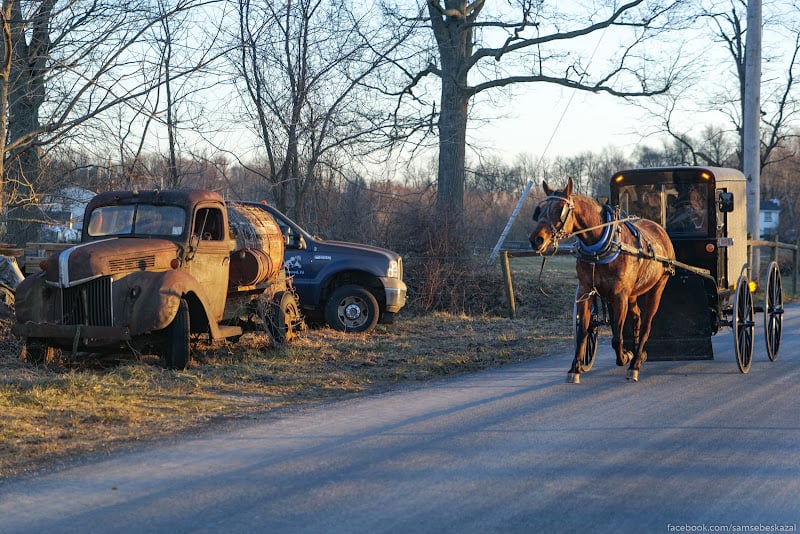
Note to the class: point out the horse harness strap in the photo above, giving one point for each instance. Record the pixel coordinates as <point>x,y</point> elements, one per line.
<point>610,246</point>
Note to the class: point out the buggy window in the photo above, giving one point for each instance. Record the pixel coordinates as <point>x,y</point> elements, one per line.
<point>643,200</point>
<point>687,209</point>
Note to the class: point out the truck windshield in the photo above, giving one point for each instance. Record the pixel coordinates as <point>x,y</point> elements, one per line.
<point>137,219</point>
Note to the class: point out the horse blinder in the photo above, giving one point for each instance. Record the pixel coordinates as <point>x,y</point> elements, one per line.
<point>566,208</point>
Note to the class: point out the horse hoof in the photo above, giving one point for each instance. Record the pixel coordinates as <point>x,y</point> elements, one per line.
<point>573,378</point>
<point>633,375</point>
<point>625,358</point>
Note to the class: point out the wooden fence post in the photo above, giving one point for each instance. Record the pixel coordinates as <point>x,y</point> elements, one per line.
<point>512,306</point>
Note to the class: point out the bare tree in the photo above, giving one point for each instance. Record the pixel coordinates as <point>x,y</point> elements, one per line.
<point>66,64</point>
<point>306,67</point>
<point>716,144</point>
<point>483,46</point>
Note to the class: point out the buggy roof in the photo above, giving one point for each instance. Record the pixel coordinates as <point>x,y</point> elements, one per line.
<point>718,175</point>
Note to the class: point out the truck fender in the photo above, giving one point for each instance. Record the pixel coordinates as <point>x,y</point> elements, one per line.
<point>158,298</point>
<point>30,302</point>
<point>343,272</point>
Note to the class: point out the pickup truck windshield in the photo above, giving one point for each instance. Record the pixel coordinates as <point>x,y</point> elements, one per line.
<point>137,219</point>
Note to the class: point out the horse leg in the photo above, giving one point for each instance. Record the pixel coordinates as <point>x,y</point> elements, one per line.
<point>581,335</point>
<point>619,311</point>
<point>651,300</point>
<point>635,316</point>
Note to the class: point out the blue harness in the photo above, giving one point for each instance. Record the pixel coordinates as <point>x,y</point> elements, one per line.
<point>609,246</point>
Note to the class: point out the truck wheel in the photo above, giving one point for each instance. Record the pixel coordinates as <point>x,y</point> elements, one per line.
<point>352,309</point>
<point>176,355</point>
<point>38,352</point>
<point>284,318</point>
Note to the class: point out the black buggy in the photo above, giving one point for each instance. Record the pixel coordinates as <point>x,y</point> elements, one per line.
<point>704,212</point>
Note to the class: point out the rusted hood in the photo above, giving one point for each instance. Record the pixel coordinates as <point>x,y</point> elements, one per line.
<point>114,257</point>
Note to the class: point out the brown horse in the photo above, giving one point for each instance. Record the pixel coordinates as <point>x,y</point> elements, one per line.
<point>619,260</point>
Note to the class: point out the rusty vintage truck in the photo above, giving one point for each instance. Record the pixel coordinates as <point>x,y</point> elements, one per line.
<point>155,270</point>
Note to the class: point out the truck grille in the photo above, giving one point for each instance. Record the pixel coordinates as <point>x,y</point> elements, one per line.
<point>141,263</point>
<point>88,303</point>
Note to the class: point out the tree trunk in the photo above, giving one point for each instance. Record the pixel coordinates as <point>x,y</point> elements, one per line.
<point>454,39</point>
<point>5,88</point>
<point>25,98</point>
<point>452,154</point>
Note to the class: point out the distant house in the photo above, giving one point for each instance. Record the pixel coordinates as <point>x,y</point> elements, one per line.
<point>769,217</point>
<point>65,209</point>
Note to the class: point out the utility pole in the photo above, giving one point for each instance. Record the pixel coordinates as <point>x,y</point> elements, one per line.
<point>751,121</point>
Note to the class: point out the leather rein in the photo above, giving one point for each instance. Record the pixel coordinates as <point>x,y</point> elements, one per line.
<point>607,248</point>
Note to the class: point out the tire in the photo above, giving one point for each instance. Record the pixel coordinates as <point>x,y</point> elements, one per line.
<point>743,324</point>
<point>587,361</point>
<point>38,352</point>
<point>773,311</point>
<point>7,295</point>
<point>177,346</point>
<point>284,318</point>
<point>352,308</point>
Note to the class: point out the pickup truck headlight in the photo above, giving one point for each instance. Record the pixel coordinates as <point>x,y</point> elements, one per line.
<point>394,269</point>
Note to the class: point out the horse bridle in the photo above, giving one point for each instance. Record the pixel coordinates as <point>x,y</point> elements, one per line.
<point>543,211</point>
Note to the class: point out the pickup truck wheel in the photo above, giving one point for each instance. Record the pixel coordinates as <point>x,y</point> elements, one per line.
<point>284,318</point>
<point>176,355</point>
<point>39,352</point>
<point>352,309</point>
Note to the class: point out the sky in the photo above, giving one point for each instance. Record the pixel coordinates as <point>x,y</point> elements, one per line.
<point>545,120</point>
<point>555,121</point>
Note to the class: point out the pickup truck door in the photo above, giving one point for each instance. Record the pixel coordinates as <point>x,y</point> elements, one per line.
<point>209,264</point>
<point>302,260</point>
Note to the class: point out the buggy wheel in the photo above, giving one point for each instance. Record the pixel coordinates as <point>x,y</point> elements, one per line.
<point>591,334</point>
<point>773,311</point>
<point>743,324</point>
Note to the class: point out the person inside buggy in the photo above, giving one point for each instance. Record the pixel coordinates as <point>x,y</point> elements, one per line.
<point>681,208</point>
<point>687,212</point>
<point>642,201</point>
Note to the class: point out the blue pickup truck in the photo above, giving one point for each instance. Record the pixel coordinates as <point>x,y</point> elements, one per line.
<point>349,286</point>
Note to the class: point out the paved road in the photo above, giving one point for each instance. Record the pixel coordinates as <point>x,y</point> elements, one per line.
<point>693,445</point>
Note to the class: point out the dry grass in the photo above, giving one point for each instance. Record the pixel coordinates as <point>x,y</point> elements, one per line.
<point>91,405</point>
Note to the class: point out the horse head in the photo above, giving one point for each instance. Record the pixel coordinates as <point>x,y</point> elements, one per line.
<point>553,217</point>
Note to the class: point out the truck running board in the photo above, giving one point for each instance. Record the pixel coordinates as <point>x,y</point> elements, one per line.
<point>226,331</point>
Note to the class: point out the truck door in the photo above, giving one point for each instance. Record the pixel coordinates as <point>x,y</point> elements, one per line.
<point>301,259</point>
<point>210,263</point>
